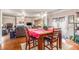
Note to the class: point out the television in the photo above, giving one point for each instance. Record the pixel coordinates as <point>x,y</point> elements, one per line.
<point>29,23</point>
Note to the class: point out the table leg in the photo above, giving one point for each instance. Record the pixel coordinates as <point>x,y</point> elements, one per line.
<point>60,41</point>
<point>40,43</point>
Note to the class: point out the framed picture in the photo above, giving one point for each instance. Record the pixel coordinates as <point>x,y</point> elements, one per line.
<point>71,19</point>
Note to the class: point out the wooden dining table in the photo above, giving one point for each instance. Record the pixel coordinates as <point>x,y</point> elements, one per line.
<point>40,33</point>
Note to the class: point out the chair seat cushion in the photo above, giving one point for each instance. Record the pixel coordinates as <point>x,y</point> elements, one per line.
<point>48,38</point>
<point>32,38</point>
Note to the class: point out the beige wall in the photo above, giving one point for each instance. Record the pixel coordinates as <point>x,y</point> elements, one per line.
<point>19,19</point>
<point>8,19</point>
<point>35,21</point>
<point>38,22</point>
<point>29,19</point>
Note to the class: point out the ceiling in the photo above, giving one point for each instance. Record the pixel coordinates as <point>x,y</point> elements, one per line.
<point>28,12</point>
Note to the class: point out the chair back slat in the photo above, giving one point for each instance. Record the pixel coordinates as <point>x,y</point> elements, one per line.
<point>56,33</point>
<point>27,33</point>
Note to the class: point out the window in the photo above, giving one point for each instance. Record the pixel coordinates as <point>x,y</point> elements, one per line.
<point>71,19</point>
<point>55,22</point>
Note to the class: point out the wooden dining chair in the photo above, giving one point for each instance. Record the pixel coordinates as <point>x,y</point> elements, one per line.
<point>30,40</point>
<point>52,39</point>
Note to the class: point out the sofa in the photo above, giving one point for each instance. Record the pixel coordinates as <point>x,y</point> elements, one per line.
<point>20,31</point>
<point>4,32</point>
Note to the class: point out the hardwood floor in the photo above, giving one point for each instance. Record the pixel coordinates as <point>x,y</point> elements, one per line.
<point>15,44</point>
<point>73,44</point>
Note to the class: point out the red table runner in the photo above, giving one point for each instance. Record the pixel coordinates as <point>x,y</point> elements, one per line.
<point>37,32</point>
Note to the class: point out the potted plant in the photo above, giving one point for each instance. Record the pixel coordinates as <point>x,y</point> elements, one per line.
<point>71,37</point>
<point>45,27</point>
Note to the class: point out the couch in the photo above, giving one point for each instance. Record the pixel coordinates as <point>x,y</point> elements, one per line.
<point>20,31</point>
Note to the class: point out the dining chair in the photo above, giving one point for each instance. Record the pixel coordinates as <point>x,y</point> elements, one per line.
<point>29,40</point>
<point>51,40</point>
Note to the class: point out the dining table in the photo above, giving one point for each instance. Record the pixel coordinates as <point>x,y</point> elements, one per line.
<point>40,33</point>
